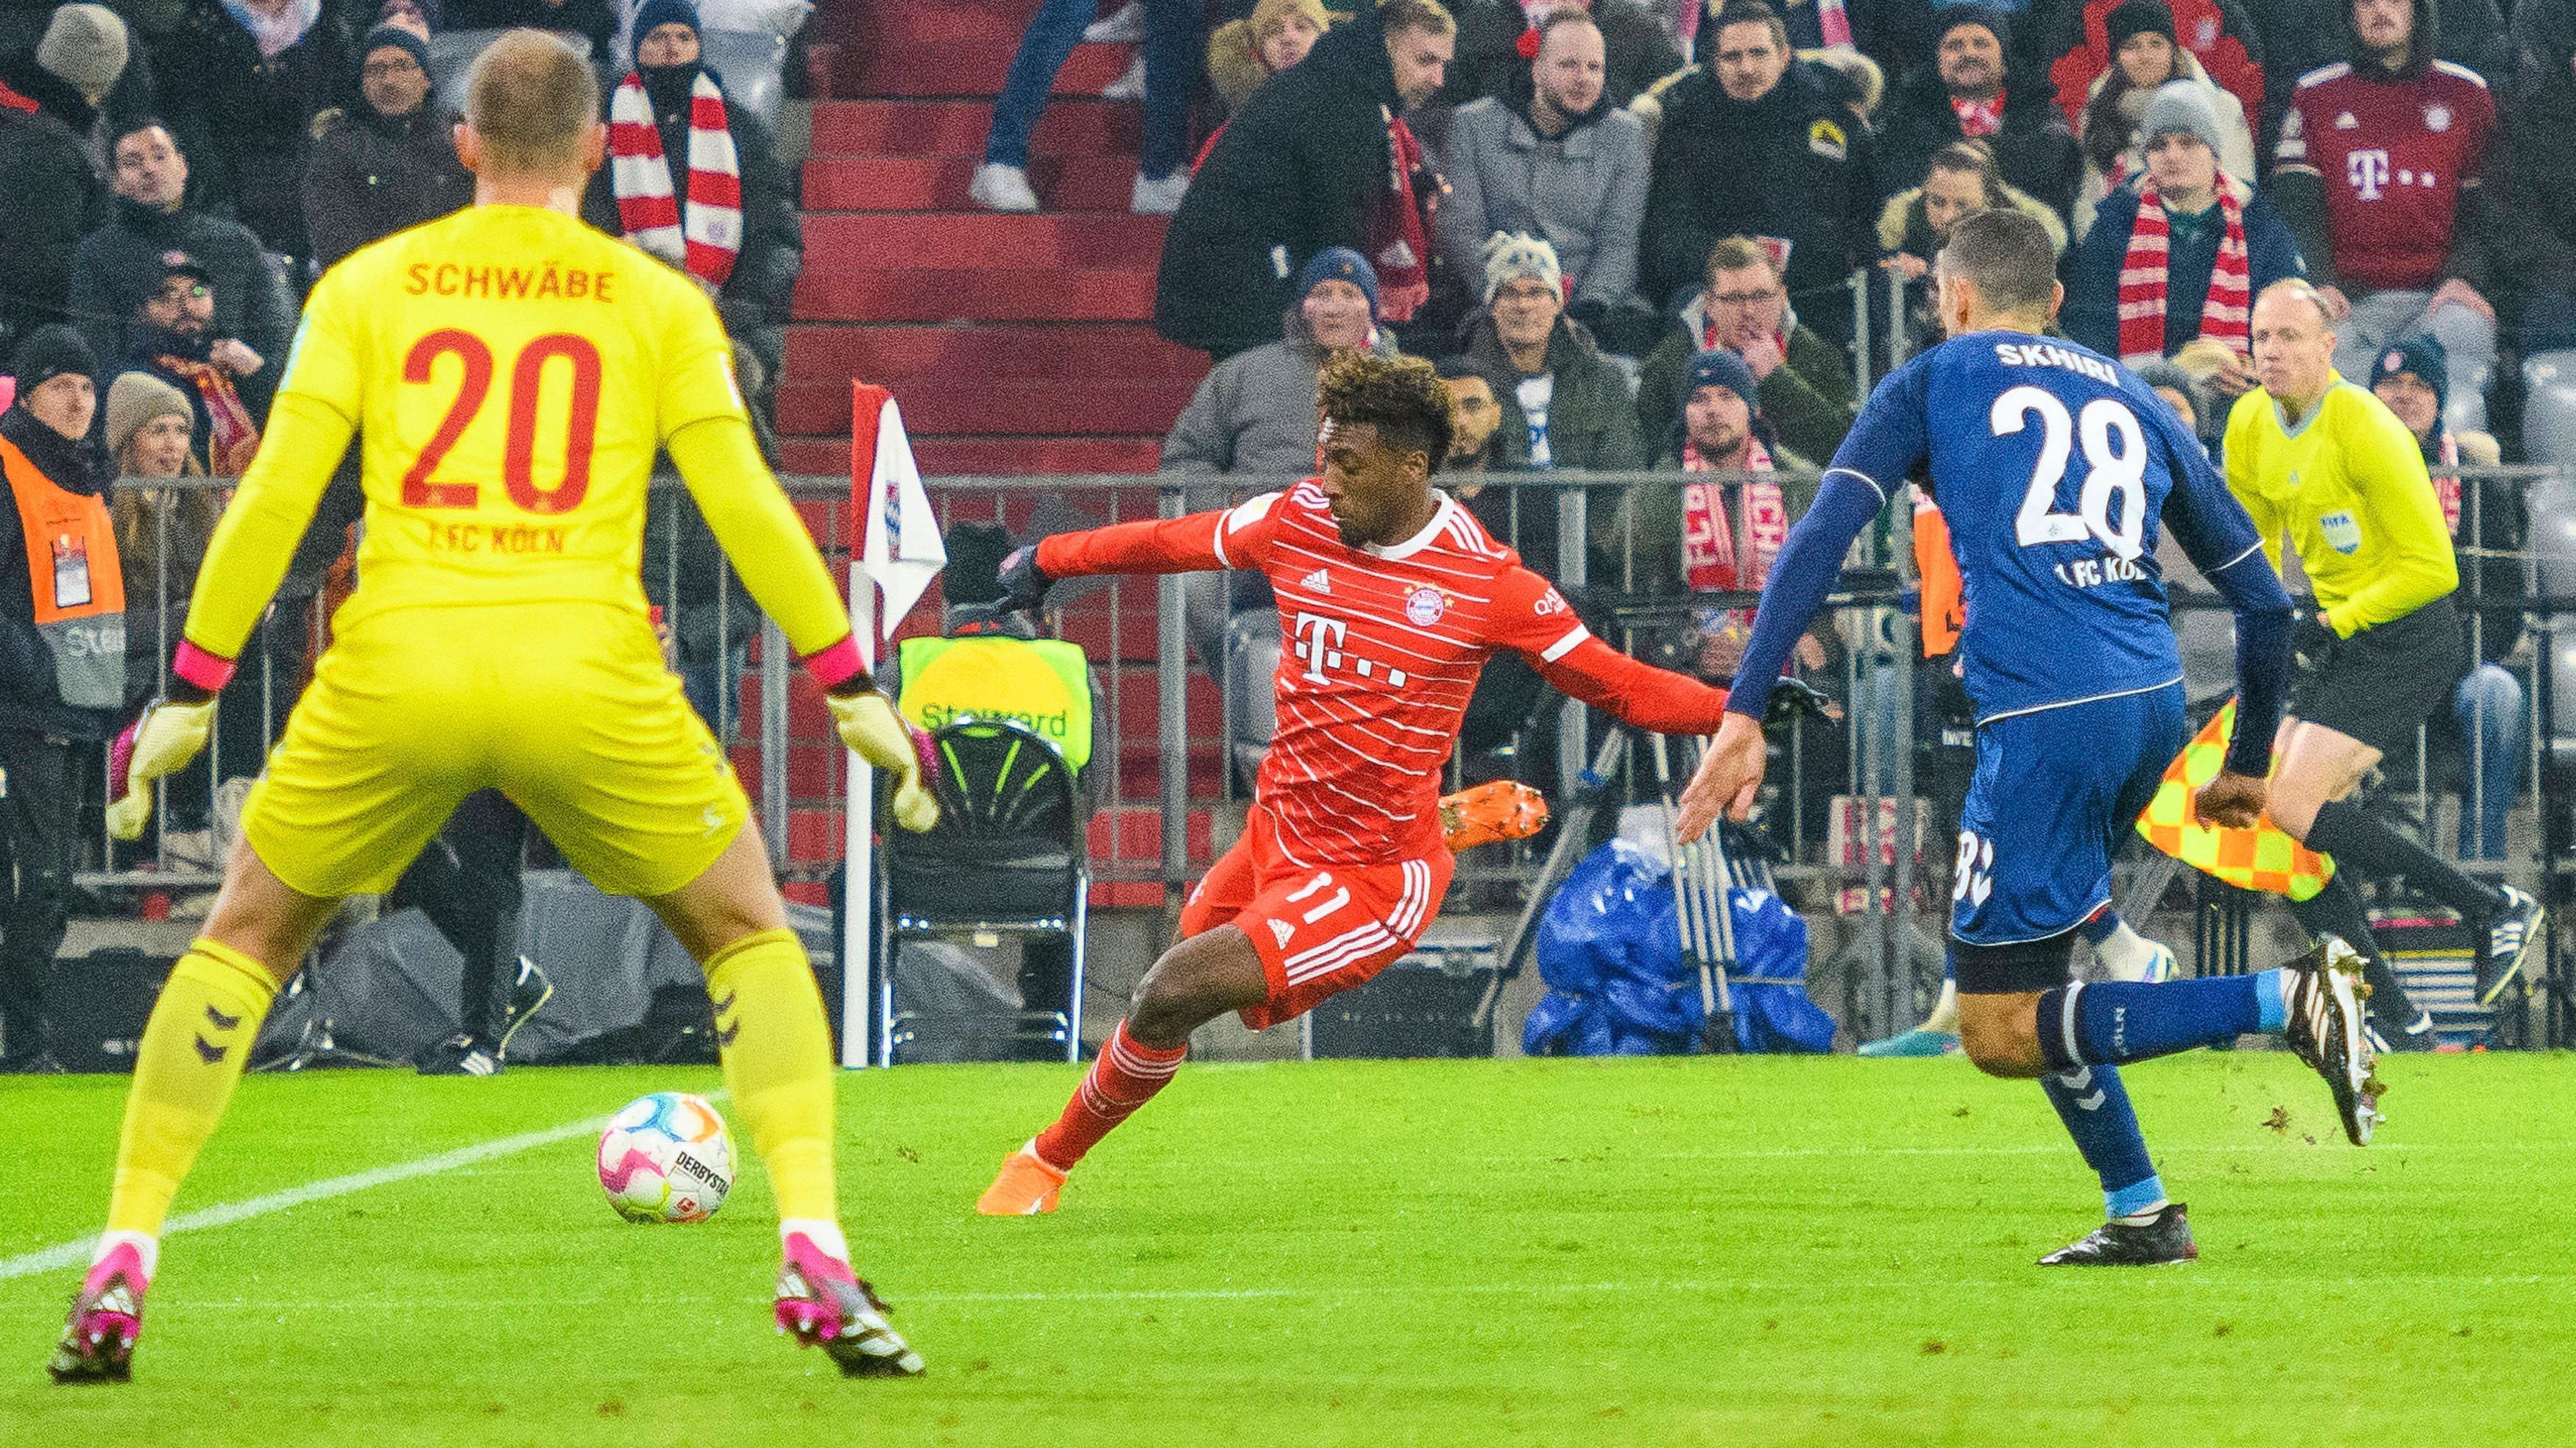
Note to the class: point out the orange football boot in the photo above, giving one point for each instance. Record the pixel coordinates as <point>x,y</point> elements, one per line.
<point>1490,813</point>
<point>1025,1187</point>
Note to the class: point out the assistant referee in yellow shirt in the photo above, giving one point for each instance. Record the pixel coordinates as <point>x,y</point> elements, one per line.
<point>2322,464</point>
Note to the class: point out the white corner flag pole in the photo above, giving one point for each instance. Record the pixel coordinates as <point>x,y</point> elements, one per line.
<point>901,552</point>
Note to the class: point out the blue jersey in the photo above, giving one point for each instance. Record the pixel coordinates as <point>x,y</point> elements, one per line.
<point>2053,466</point>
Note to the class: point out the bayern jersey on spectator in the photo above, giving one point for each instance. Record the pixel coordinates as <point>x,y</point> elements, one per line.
<point>2394,158</point>
<point>1379,649</point>
<point>2053,466</point>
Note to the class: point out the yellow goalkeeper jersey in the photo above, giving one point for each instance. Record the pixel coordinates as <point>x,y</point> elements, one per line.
<point>512,373</point>
<point>2347,489</point>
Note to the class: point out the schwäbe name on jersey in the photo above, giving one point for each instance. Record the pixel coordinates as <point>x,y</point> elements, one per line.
<point>2049,354</point>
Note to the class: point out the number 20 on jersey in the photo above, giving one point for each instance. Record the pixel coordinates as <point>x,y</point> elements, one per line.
<point>529,373</point>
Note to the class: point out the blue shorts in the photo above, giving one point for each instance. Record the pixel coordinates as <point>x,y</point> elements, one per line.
<point>2055,792</point>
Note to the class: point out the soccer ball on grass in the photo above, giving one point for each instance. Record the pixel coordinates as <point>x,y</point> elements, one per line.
<point>666,1158</point>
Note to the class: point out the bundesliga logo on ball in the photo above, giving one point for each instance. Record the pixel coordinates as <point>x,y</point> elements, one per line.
<point>666,1158</point>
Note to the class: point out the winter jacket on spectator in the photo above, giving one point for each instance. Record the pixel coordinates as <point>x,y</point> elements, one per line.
<point>2035,150</point>
<point>1300,168</point>
<point>2236,154</point>
<point>764,273</point>
<point>1255,413</point>
<point>374,175</point>
<point>1489,62</point>
<point>1904,225</point>
<point>2233,51</point>
<point>1808,399</point>
<point>122,262</point>
<point>1794,165</point>
<point>2092,311</point>
<point>50,195</point>
<point>30,694</point>
<point>1584,191</point>
<point>2353,131</point>
<point>259,110</point>
<point>1590,423</point>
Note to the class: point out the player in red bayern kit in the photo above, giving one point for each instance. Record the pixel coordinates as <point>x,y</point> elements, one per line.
<point>1391,598</point>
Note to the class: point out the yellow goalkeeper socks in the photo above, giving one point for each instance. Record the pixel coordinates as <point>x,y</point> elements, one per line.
<point>778,1065</point>
<point>193,1052</point>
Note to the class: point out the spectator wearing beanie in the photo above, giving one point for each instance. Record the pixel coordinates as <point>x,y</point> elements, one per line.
<point>1561,164</point>
<point>150,426</point>
<point>664,191</point>
<point>1243,53</point>
<point>1743,307</point>
<point>386,162</point>
<point>2229,42</point>
<point>1571,405</point>
<point>265,69</point>
<point>62,662</point>
<point>2145,59</point>
<point>1255,413</point>
<point>49,194</point>
<point>2380,175</point>
<point>124,263</point>
<point>2181,252</point>
<point>1754,143</point>
<point>1973,90</point>
<point>1637,49</point>
<point>1319,157</point>
<point>1694,537</point>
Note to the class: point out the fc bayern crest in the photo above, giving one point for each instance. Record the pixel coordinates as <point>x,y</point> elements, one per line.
<point>1425,606</point>
<point>2437,117</point>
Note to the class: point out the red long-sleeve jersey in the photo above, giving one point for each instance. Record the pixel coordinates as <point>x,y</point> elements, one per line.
<point>1379,649</point>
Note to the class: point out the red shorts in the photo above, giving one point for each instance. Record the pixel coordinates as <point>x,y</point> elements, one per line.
<point>1319,929</point>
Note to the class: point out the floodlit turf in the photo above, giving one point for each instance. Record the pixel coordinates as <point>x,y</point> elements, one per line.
<point>1622,1252</point>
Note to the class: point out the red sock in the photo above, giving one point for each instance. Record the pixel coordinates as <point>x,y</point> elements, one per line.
<point>1125,1077</point>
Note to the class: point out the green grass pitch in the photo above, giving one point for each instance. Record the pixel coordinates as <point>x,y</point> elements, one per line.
<point>1758,1251</point>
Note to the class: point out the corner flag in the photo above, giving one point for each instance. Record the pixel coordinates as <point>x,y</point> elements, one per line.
<point>901,550</point>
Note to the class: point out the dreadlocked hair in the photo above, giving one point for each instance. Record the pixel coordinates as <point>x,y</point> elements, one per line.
<point>1402,396</point>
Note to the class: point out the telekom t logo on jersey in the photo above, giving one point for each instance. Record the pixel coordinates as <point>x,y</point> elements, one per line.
<point>1319,643</point>
<point>2366,171</point>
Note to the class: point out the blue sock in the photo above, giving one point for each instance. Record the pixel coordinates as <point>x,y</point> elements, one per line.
<point>2110,1022</point>
<point>2095,1107</point>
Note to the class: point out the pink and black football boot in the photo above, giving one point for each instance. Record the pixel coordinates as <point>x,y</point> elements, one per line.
<point>107,1317</point>
<point>824,1304</point>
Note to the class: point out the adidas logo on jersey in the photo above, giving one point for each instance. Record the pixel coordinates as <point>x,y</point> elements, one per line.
<point>1280,930</point>
<point>1319,581</point>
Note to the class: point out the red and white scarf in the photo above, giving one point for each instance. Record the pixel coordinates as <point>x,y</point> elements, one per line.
<point>1709,560</point>
<point>2446,488</point>
<point>1399,235</point>
<point>2228,313</point>
<point>1978,118</point>
<point>706,245</point>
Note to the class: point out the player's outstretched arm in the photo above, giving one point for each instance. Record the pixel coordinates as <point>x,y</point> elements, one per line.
<point>759,531</point>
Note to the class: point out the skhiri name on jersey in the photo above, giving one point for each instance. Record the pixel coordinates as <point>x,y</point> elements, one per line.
<point>2049,354</point>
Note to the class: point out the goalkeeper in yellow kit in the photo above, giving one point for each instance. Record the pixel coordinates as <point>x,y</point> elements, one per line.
<point>512,373</point>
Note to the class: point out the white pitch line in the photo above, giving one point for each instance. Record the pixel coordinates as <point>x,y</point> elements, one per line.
<point>73,1254</point>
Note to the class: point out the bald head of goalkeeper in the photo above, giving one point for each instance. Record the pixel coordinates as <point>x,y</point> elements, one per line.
<point>531,132</point>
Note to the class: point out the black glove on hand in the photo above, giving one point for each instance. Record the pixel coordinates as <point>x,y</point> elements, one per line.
<point>2313,640</point>
<point>1024,587</point>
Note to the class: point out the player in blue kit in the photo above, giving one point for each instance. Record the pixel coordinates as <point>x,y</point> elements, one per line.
<point>2054,467</point>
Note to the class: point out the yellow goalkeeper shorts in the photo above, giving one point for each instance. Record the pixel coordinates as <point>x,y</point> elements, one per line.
<point>566,708</point>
